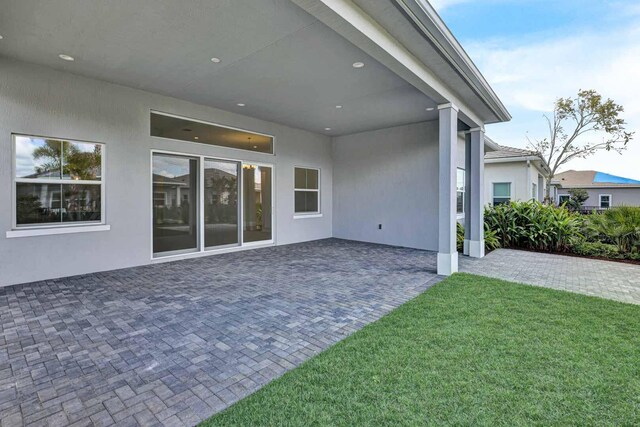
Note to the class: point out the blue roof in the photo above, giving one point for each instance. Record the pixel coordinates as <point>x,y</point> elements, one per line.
<point>601,177</point>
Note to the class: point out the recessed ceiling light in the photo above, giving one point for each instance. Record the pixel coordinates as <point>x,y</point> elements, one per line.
<point>1,37</point>
<point>66,57</point>
<point>195,137</point>
<point>338,106</point>
<point>327,128</point>
<point>358,64</point>
<point>255,146</point>
<point>430,108</point>
<point>240,104</point>
<point>215,60</point>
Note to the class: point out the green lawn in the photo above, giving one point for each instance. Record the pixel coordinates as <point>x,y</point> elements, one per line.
<point>470,350</point>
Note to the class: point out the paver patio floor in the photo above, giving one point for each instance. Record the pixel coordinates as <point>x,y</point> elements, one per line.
<point>174,343</point>
<point>606,279</point>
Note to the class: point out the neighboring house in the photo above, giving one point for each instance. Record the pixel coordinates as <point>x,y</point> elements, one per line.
<point>514,174</point>
<point>604,190</point>
<point>209,127</point>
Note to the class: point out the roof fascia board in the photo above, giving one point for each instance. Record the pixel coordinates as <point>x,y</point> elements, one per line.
<point>427,20</point>
<point>352,23</point>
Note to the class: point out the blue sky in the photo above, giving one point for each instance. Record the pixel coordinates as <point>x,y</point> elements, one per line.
<point>534,51</point>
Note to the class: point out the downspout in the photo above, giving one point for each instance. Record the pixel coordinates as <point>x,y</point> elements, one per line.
<point>528,189</point>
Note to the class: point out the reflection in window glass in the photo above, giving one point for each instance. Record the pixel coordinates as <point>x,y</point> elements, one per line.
<point>257,203</point>
<point>175,203</point>
<point>47,178</point>
<point>220,202</point>
<point>460,191</point>
<point>207,133</point>
<point>37,157</point>
<point>306,191</point>
<point>81,161</point>
<point>38,203</point>
<point>501,193</point>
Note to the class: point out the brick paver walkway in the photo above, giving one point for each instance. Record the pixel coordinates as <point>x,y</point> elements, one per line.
<point>174,343</point>
<point>605,279</point>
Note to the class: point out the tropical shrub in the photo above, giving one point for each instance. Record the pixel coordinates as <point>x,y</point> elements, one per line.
<point>490,240</point>
<point>532,225</point>
<point>619,226</point>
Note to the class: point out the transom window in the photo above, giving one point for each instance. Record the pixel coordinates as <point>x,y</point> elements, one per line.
<point>306,190</point>
<point>57,181</point>
<point>460,191</point>
<point>605,201</point>
<point>501,193</point>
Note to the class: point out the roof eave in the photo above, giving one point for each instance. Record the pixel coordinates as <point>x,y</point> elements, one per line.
<point>423,14</point>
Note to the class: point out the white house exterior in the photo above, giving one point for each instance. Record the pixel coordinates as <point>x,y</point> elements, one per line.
<point>142,132</point>
<point>514,174</point>
<point>604,190</point>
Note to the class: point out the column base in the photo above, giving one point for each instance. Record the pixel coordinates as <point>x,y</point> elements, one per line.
<point>465,247</point>
<point>476,249</point>
<point>447,264</point>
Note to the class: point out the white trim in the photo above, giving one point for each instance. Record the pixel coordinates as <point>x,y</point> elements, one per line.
<point>447,264</point>
<point>449,105</point>
<point>600,201</point>
<point>304,216</point>
<point>205,122</point>
<point>31,232</point>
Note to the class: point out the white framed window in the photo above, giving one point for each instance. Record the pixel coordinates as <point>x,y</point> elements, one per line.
<point>605,201</point>
<point>460,191</point>
<point>534,191</point>
<point>563,198</point>
<point>57,182</point>
<point>306,191</point>
<point>501,193</point>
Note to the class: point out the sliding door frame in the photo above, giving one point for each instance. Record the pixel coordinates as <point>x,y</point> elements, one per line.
<point>201,249</point>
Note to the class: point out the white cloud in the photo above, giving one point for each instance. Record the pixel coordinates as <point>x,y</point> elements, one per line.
<point>530,76</point>
<point>440,5</point>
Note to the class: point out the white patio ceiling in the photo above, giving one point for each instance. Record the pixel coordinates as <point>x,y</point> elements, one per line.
<point>282,63</point>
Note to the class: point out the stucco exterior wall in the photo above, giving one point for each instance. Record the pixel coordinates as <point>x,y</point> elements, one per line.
<point>41,101</point>
<point>514,172</point>
<point>620,196</point>
<point>388,177</point>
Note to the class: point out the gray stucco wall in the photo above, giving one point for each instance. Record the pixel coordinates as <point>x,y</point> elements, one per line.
<point>41,101</point>
<point>388,177</point>
<point>620,196</point>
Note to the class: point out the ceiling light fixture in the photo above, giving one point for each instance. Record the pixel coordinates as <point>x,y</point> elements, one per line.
<point>358,64</point>
<point>195,137</point>
<point>338,106</point>
<point>430,108</point>
<point>240,104</point>
<point>255,146</point>
<point>327,128</point>
<point>66,57</point>
<point>216,60</point>
<point>1,37</point>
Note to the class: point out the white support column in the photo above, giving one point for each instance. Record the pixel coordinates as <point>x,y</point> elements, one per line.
<point>448,140</point>
<point>467,188</point>
<point>476,205</point>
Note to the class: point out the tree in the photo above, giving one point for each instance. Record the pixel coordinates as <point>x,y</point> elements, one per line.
<point>579,128</point>
<point>577,197</point>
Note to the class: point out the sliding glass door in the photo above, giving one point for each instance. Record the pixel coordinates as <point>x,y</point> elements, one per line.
<point>198,203</point>
<point>175,204</point>
<point>257,202</point>
<point>221,203</point>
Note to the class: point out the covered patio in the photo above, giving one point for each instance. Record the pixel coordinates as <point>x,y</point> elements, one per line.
<point>174,343</point>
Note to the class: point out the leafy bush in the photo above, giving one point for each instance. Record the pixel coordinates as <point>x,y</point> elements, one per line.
<point>532,225</point>
<point>459,237</point>
<point>619,226</point>
<point>490,240</point>
<point>597,249</point>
